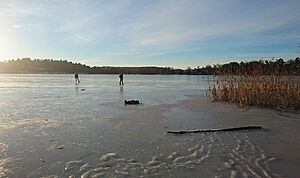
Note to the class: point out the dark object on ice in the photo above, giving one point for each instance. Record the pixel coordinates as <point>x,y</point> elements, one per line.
<point>214,130</point>
<point>131,102</point>
<point>285,115</point>
<point>82,89</point>
<point>60,147</point>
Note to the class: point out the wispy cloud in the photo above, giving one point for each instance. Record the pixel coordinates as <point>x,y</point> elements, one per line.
<point>131,28</point>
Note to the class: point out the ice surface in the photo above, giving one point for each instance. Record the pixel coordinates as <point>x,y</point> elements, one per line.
<point>57,96</point>
<point>50,127</point>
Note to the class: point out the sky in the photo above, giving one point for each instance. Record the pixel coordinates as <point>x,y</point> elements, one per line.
<point>175,33</point>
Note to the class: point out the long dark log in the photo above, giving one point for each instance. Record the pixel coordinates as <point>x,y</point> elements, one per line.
<point>213,130</point>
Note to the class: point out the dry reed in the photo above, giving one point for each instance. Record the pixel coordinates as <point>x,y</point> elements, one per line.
<point>275,92</point>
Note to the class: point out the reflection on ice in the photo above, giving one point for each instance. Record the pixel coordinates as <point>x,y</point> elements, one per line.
<point>76,89</point>
<point>121,91</point>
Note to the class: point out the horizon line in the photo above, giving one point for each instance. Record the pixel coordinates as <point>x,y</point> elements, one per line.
<point>152,65</point>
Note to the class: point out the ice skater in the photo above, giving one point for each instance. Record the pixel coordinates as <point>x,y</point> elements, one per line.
<point>121,79</point>
<point>77,81</point>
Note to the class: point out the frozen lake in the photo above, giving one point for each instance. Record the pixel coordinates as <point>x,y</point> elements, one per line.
<point>57,95</point>
<point>50,127</point>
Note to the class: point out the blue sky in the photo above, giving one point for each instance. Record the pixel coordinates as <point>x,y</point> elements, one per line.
<point>177,33</point>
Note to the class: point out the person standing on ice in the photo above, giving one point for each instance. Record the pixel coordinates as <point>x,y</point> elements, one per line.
<point>77,81</point>
<point>121,79</point>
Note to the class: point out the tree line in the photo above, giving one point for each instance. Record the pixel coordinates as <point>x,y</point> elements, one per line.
<point>261,67</point>
<point>27,65</point>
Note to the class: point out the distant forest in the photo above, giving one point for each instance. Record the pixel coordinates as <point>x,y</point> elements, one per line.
<point>261,67</point>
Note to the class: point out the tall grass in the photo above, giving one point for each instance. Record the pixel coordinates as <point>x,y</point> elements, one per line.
<point>275,92</point>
